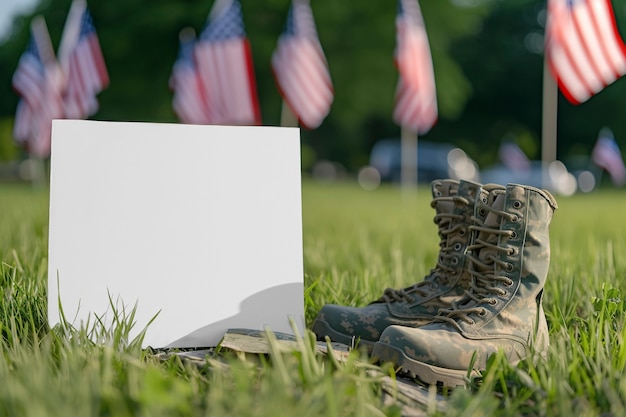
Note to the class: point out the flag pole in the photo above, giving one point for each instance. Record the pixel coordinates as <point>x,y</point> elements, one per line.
<point>548,121</point>
<point>42,39</point>
<point>71,32</point>
<point>287,117</point>
<point>408,161</point>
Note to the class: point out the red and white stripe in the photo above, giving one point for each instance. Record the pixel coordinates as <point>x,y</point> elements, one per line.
<point>584,49</point>
<point>29,80</point>
<point>227,75</point>
<point>188,102</point>
<point>416,96</point>
<point>301,70</point>
<point>86,78</point>
<point>224,64</point>
<point>82,61</point>
<point>37,80</point>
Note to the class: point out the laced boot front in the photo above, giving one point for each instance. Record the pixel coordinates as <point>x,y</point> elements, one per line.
<point>415,305</point>
<point>502,309</point>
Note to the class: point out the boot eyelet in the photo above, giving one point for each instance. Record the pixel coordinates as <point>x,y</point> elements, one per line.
<point>481,211</point>
<point>510,252</point>
<point>513,234</point>
<point>508,282</point>
<point>457,247</point>
<point>517,204</point>
<point>510,267</point>
<point>503,293</point>
<point>514,218</point>
<point>482,313</point>
<point>471,322</point>
<point>484,200</point>
<point>454,261</point>
<point>493,301</point>
<point>462,232</point>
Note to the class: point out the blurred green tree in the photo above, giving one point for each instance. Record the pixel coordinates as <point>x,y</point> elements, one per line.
<point>139,39</point>
<point>487,55</point>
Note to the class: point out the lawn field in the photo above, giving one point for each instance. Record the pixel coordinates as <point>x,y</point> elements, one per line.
<point>356,244</point>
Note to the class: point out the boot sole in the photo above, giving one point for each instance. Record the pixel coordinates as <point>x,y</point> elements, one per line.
<point>429,374</point>
<point>322,329</point>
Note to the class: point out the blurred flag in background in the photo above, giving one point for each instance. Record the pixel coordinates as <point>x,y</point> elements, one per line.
<point>606,155</point>
<point>38,82</point>
<point>583,46</point>
<point>513,157</point>
<point>416,97</point>
<point>81,58</point>
<point>225,67</point>
<point>189,102</point>
<point>300,67</point>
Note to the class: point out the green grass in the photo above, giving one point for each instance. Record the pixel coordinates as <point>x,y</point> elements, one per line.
<point>356,243</point>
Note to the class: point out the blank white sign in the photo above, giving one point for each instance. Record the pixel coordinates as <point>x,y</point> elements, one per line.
<point>201,225</point>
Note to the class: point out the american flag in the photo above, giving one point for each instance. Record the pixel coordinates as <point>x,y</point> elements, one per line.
<point>225,66</point>
<point>83,64</point>
<point>416,96</point>
<point>584,49</point>
<point>513,157</point>
<point>606,155</point>
<point>300,67</point>
<point>189,102</point>
<point>36,80</point>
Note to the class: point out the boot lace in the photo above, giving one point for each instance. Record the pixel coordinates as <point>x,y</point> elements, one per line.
<point>483,285</point>
<point>448,223</point>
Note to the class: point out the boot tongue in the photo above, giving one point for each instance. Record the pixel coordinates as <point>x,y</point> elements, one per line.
<point>493,220</point>
<point>443,204</point>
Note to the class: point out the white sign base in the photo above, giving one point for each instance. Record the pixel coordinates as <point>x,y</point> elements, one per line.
<point>198,225</point>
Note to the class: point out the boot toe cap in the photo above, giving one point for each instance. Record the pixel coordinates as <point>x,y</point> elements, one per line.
<point>443,346</point>
<point>433,345</point>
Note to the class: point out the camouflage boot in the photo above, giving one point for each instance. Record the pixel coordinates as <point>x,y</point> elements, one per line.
<point>415,305</point>
<point>502,310</point>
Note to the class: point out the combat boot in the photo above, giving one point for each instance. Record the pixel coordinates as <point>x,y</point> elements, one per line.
<point>502,310</point>
<point>415,305</point>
